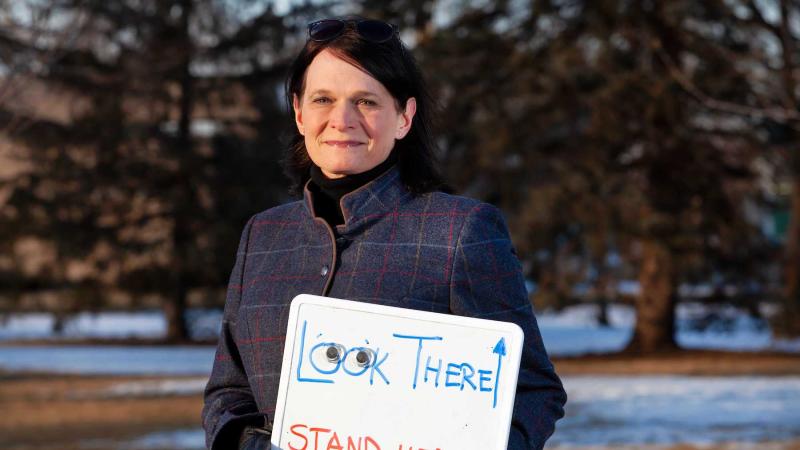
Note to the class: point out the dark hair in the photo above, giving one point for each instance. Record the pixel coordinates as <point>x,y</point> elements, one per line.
<point>393,66</point>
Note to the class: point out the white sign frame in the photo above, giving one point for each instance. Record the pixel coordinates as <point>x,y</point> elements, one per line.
<point>339,404</point>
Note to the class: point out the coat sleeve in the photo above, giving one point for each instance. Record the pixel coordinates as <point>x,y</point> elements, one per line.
<point>487,282</point>
<point>229,404</point>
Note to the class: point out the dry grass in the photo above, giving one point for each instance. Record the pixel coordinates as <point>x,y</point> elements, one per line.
<point>40,411</point>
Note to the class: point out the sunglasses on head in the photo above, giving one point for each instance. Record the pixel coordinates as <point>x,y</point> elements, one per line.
<point>371,30</point>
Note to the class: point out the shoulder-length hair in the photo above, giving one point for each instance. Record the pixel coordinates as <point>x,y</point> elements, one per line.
<point>392,64</point>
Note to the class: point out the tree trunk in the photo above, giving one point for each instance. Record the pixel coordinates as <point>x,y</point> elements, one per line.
<point>604,294</point>
<point>655,305</point>
<point>789,324</point>
<point>174,313</point>
<point>791,293</point>
<point>602,312</point>
<point>175,307</point>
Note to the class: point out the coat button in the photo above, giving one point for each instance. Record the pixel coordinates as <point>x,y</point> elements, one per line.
<point>342,243</point>
<point>323,271</point>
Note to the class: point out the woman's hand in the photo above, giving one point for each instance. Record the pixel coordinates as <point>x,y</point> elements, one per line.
<point>254,438</point>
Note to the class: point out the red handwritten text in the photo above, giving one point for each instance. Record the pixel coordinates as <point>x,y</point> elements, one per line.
<point>318,438</point>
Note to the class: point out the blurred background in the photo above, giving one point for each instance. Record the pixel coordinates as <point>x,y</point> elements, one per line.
<point>644,153</point>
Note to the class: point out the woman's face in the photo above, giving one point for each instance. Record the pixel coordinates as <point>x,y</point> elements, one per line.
<point>348,119</point>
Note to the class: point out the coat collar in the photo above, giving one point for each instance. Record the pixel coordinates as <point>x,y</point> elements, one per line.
<point>367,202</point>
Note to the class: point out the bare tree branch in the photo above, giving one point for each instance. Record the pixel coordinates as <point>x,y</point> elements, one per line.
<point>759,19</point>
<point>786,116</point>
<point>787,50</point>
<point>21,38</point>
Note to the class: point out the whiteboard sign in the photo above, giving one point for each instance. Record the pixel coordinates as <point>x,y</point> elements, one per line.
<point>359,376</point>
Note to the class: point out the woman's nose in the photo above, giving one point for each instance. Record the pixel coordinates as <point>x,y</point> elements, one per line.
<point>343,116</point>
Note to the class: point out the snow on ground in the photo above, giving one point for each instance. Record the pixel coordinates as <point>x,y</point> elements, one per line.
<point>629,411</point>
<point>575,331</point>
<point>611,410</point>
<point>156,388</point>
<point>572,331</point>
<point>185,439</point>
<point>109,360</point>
<point>602,410</point>
<point>143,324</point>
<point>106,325</point>
<point>181,439</point>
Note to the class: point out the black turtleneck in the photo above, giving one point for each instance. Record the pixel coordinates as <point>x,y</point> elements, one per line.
<point>328,191</point>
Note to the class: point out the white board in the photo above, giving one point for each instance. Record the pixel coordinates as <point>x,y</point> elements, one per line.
<point>432,381</point>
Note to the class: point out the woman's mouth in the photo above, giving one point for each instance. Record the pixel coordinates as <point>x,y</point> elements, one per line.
<point>343,144</point>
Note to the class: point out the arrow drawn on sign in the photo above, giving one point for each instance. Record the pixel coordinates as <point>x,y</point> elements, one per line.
<point>500,349</point>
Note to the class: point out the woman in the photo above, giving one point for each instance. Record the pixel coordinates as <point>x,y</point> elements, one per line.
<point>371,227</point>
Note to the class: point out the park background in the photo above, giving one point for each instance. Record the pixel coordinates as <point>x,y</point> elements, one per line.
<point>644,153</point>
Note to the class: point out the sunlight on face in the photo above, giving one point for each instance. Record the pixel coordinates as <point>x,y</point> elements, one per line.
<point>349,120</point>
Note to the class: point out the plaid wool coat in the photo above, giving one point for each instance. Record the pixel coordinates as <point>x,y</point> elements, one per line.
<point>433,252</point>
